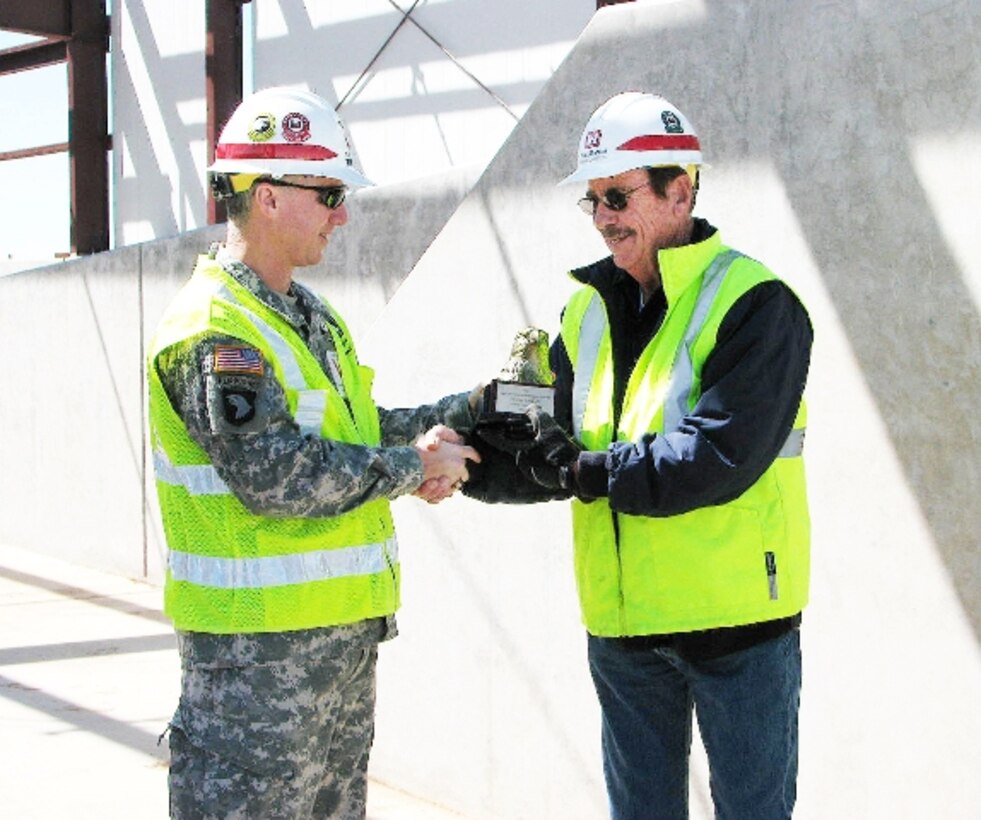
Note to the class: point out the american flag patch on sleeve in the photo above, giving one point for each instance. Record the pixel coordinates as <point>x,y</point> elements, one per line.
<point>235,359</point>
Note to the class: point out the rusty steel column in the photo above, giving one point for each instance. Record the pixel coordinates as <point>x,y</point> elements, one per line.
<point>223,77</point>
<point>44,18</point>
<point>88,129</point>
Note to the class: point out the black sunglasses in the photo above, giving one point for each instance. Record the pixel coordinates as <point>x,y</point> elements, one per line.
<point>330,196</point>
<point>614,199</point>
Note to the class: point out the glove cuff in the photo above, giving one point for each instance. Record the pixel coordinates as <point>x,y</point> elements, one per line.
<point>594,474</point>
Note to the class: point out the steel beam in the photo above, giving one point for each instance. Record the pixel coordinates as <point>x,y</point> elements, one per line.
<point>223,77</point>
<point>45,18</point>
<point>88,135</point>
<point>32,55</point>
<point>24,153</point>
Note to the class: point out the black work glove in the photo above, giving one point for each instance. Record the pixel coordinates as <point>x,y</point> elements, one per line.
<point>507,432</point>
<point>548,462</point>
<point>497,480</point>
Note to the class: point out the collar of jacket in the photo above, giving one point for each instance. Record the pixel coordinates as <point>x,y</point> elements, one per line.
<point>288,309</point>
<point>679,266</point>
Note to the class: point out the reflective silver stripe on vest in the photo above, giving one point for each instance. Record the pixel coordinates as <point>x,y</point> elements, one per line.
<point>310,408</point>
<point>590,336</point>
<point>794,445</point>
<point>311,403</point>
<point>683,372</point>
<point>279,570</point>
<point>197,479</point>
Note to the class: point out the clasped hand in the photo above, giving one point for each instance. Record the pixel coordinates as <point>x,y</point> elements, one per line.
<point>551,461</point>
<point>444,463</point>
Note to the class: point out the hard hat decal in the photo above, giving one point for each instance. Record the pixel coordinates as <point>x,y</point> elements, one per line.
<point>659,142</point>
<point>347,143</point>
<point>233,150</point>
<point>263,128</point>
<point>296,127</point>
<point>591,143</point>
<point>672,125</point>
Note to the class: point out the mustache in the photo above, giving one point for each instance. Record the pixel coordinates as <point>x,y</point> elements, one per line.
<point>613,232</point>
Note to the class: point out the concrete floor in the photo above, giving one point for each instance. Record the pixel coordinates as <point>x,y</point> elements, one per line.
<point>89,676</point>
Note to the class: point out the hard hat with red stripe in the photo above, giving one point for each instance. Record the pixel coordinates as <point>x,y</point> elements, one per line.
<point>635,130</point>
<point>280,131</point>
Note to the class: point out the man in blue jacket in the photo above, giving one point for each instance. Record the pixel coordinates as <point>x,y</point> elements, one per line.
<point>678,432</point>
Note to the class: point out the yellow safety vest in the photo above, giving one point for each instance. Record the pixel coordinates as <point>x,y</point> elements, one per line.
<point>737,563</point>
<point>230,571</point>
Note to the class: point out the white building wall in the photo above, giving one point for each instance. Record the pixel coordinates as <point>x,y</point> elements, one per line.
<point>416,112</point>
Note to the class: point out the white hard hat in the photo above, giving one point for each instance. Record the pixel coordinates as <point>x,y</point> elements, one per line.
<point>280,131</point>
<point>634,130</point>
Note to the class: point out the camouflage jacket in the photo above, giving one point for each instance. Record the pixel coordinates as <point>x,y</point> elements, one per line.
<point>262,456</point>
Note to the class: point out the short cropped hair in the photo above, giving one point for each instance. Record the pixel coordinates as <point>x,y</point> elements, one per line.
<point>239,206</point>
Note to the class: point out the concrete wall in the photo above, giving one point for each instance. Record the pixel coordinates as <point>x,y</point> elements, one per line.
<point>845,152</point>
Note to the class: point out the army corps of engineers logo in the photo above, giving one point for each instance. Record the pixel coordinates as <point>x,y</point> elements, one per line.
<point>591,144</point>
<point>296,127</point>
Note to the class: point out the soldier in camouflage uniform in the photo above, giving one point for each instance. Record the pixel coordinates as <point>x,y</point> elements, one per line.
<point>278,629</point>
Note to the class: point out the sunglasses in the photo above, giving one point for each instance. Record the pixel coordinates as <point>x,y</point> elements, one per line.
<point>330,196</point>
<point>614,199</point>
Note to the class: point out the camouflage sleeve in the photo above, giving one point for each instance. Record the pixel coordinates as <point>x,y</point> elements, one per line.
<point>236,411</point>
<point>402,425</point>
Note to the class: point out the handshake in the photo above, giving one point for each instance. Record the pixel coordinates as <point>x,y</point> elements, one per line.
<point>514,429</point>
<point>542,451</point>
<point>444,453</point>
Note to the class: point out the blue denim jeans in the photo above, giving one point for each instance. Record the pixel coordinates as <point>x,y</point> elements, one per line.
<point>746,703</point>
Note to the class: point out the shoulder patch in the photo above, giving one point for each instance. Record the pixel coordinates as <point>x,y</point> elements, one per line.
<point>238,359</point>
<point>239,406</point>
